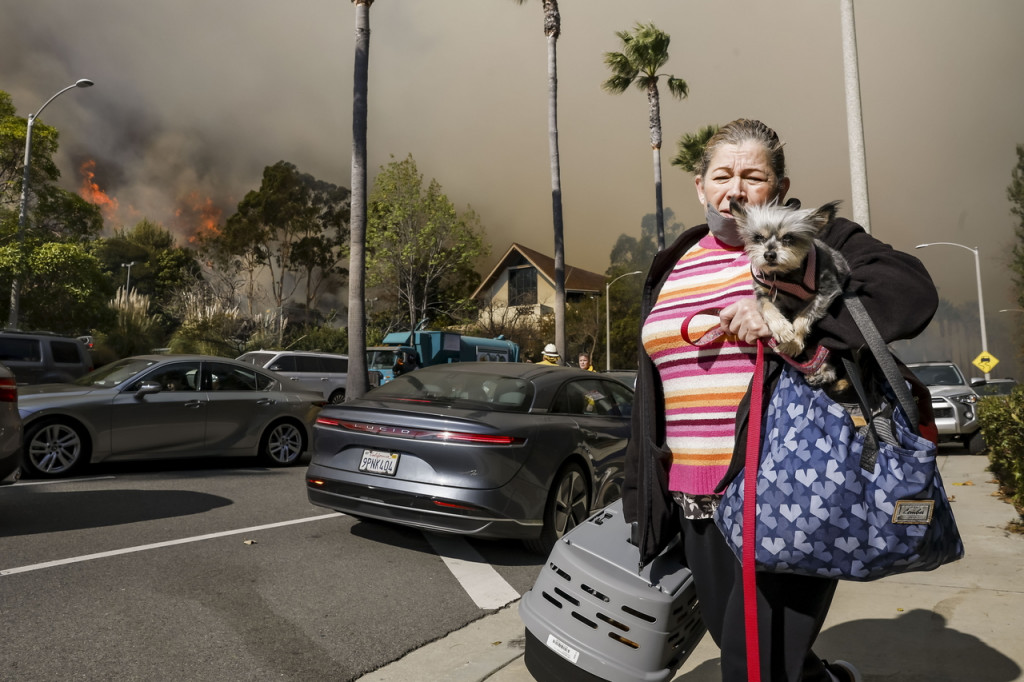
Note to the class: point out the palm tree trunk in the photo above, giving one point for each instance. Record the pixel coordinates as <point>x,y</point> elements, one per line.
<point>552,29</point>
<point>357,378</point>
<point>854,120</point>
<point>654,104</point>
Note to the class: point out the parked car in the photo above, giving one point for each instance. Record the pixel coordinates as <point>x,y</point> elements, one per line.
<point>162,406</point>
<point>10,428</point>
<point>496,450</point>
<point>323,372</point>
<point>954,403</point>
<point>626,376</point>
<point>41,357</point>
<point>986,387</point>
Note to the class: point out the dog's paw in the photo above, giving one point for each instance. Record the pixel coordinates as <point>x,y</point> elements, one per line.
<point>791,346</point>
<point>823,376</point>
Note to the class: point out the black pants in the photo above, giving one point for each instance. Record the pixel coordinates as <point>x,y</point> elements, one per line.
<point>791,610</point>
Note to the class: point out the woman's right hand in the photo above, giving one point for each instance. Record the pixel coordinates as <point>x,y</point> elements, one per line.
<point>743,320</point>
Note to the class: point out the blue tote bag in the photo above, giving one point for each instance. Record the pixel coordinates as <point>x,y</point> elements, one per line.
<point>839,501</point>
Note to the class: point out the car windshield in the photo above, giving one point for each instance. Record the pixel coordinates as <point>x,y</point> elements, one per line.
<point>114,374</point>
<point>939,375</point>
<point>469,390</point>
<point>380,359</point>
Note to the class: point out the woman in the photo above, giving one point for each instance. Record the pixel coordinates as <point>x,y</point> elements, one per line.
<point>690,414</point>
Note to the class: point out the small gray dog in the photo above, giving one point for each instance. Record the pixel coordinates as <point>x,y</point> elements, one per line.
<point>796,276</point>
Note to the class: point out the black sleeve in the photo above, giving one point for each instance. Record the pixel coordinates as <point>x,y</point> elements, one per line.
<point>894,286</point>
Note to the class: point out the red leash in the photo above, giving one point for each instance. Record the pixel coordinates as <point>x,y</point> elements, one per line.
<point>749,486</point>
<point>750,519</point>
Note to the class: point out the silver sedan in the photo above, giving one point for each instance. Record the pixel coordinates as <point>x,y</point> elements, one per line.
<point>165,406</point>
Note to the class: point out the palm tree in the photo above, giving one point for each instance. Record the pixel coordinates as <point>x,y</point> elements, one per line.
<point>644,52</point>
<point>691,148</point>
<point>552,29</point>
<point>357,378</point>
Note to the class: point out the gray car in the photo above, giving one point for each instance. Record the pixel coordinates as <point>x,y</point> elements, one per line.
<point>10,428</point>
<point>497,450</point>
<point>323,372</point>
<point>164,406</point>
<point>954,403</point>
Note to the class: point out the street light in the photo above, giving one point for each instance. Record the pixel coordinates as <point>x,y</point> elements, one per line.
<point>607,319</point>
<point>12,319</point>
<point>128,280</point>
<point>981,304</point>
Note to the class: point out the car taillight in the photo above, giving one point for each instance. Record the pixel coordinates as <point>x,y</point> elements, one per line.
<point>418,434</point>
<point>8,390</point>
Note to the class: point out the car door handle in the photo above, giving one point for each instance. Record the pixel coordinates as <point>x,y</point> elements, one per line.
<point>266,401</point>
<point>194,403</point>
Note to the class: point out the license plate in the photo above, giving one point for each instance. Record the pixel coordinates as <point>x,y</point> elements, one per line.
<point>377,462</point>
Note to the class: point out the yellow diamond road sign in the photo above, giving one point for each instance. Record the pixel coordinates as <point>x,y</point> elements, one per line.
<point>985,361</point>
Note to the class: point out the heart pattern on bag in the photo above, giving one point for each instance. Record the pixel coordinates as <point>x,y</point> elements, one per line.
<point>819,512</point>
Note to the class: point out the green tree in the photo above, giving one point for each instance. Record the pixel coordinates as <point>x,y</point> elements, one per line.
<point>66,291</point>
<point>420,246</point>
<point>358,381</point>
<point>691,148</point>
<point>644,53</point>
<point>134,330</point>
<point>552,31</point>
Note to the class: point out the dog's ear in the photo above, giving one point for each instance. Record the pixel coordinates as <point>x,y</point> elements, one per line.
<point>825,215</point>
<point>737,210</point>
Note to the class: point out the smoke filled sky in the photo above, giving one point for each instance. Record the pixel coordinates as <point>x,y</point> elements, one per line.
<point>194,98</point>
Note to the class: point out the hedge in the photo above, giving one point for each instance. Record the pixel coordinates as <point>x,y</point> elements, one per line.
<point>1002,426</point>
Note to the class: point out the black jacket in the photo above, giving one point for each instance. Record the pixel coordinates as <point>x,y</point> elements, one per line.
<point>894,287</point>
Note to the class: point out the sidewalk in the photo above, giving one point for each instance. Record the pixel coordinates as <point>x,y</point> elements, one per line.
<point>962,622</point>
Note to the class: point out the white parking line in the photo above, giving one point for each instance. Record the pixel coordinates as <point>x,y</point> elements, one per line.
<point>22,484</point>
<point>157,545</point>
<point>485,586</point>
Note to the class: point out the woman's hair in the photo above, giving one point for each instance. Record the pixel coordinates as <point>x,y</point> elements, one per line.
<point>739,131</point>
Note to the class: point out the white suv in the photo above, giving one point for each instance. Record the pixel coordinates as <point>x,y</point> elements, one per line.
<point>323,372</point>
<point>954,403</point>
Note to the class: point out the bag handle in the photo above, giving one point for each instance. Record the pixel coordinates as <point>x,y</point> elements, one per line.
<point>883,356</point>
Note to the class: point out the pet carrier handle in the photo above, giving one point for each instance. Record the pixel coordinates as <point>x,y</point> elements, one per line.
<point>883,356</point>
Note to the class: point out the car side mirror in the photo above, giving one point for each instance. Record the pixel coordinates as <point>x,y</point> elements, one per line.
<point>147,388</point>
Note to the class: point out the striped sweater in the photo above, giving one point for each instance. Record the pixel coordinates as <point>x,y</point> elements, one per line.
<point>702,386</point>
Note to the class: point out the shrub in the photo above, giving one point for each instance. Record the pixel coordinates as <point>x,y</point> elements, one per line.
<point>1002,426</point>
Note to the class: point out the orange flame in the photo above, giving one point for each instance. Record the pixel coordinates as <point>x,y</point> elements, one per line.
<point>91,192</point>
<point>199,215</point>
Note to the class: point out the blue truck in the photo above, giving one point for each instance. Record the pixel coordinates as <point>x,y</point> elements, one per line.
<point>401,352</point>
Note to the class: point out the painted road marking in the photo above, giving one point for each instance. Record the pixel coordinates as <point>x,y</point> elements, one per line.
<point>158,545</point>
<point>482,583</point>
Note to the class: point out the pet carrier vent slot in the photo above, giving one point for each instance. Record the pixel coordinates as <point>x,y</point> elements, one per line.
<point>628,642</point>
<point>639,614</point>
<point>551,599</point>
<point>567,597</point>
<point>562,574</point>
<point>584,620</point>
<point>590,590</point>
<point>614,623</point>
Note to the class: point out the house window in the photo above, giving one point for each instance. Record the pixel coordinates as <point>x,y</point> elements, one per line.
<point>522,286</point>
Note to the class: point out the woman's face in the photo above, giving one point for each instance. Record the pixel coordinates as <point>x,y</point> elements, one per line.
<point>740,172</point>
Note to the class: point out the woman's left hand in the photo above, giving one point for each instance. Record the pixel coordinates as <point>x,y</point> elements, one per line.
<point>743,320</point>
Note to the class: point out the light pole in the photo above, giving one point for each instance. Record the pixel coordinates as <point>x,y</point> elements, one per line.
<point>12,319</point>
<point>981,304</point>
<point>608,319</point>
<point>128,279</point>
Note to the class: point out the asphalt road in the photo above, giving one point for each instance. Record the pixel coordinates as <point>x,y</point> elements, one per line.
<point>221,570</point>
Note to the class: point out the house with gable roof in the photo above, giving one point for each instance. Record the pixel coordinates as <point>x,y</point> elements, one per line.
<point>525,279</point>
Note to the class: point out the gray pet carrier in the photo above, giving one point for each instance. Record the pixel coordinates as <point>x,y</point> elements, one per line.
<point>592,617</point>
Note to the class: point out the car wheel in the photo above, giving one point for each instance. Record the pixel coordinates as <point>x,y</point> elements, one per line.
<point>975,443</point>
<point>282,444</point>
<point>337,397</point>
<point>568,506</point>
<point>54,449</point>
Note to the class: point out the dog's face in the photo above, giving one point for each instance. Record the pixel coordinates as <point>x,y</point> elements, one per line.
<point>778,238</point>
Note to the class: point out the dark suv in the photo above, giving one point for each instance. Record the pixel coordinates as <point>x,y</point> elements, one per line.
<point>43,358</point>
<point>954,403</point>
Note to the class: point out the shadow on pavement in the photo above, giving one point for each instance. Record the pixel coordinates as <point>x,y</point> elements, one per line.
<point>30,510</point>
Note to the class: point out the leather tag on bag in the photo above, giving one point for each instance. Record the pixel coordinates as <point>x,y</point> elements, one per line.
<point>913,511</point>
